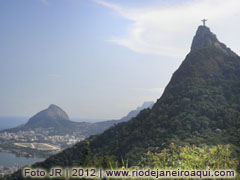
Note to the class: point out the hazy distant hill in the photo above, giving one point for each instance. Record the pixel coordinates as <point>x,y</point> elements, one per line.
<point>106,124</point>
<point>53,116</point>
<point>134,113</point>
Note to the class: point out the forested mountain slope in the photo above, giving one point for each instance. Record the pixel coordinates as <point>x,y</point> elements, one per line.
<point>200,105</point>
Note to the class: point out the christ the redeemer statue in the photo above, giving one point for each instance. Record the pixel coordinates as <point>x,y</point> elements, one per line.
<point>204,22</point>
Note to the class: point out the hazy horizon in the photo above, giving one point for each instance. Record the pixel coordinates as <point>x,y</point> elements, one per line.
<point>78,119</point>
<point>7,122</point>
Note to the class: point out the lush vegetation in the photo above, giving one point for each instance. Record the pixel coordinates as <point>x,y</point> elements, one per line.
<point>191,157</point>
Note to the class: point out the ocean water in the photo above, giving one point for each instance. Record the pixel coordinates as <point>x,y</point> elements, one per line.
<point>11,122</point>
<point>9,159</point>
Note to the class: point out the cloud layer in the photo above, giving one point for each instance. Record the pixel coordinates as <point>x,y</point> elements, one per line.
<point>167,29</point>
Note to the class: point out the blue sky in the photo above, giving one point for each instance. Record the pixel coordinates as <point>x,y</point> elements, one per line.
<point>99,59</point>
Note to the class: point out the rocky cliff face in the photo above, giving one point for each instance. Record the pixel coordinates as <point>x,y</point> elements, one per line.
<point>204,38</point>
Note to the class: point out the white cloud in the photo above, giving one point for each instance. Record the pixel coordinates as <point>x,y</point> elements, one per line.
<point>167,29</point>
